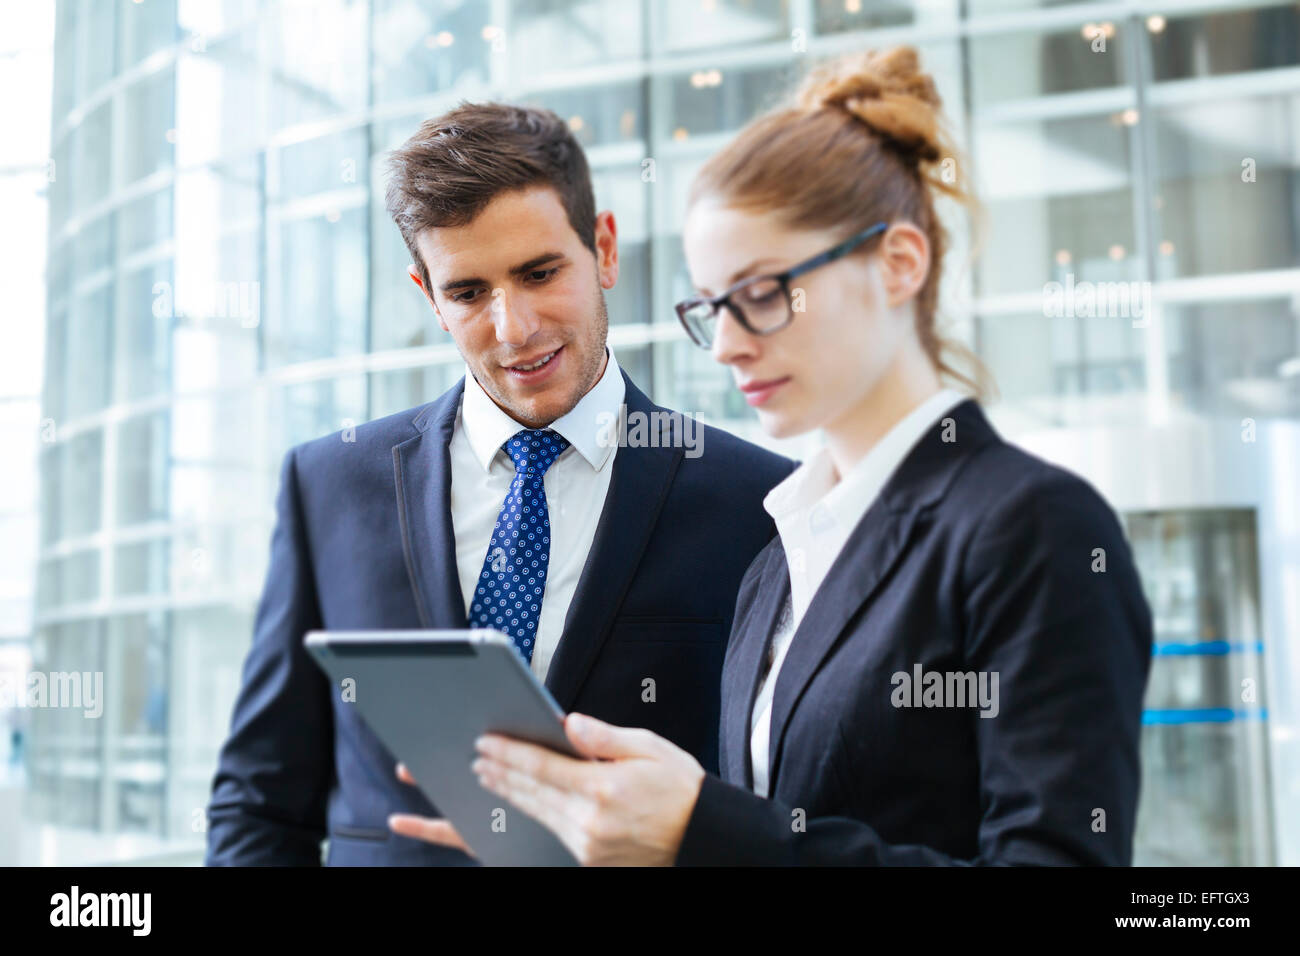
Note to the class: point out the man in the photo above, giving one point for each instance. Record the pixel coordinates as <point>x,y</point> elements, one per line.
<point>642,523</point>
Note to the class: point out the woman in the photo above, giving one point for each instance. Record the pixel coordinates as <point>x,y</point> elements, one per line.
<point>942,656</point>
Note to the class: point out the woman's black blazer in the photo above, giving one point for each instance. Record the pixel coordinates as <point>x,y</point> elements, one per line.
<point>977,559</point>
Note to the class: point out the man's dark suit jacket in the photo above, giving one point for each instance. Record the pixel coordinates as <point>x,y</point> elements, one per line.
<point>364,540</point>
<point>975,557</point>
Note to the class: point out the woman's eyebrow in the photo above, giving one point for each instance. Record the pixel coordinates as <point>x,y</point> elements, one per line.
<point>740,274</point>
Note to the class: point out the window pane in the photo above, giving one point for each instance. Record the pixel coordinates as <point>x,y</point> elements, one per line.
<point>1226,198</point>
<point>142,568</point>
<point>91,148</point>
<point>145,28</point>
<point>150,125</point>
<point>553,35</point>
<point>711,101</point>
<point>421,47</point>
<point>89,340</point>
<point>220,107</point>
<point>317,294</point>
<point>144,319</point>
<point>700,24</point>
<point>610,114</point>
<point>143,463</point>
<point>1046,63</point>
<point>319,51</point>
<point>1059,201</point>
<point>317,165</point>
<point>1232,41</point>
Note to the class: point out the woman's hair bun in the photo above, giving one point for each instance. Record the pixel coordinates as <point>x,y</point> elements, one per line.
<point>885,90</point>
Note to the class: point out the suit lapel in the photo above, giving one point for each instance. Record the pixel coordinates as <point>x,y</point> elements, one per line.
<point>868,556</point>
<point>742,673</point>
<point>870,553</point>
<point>422,468</point>
<point>637,489</point>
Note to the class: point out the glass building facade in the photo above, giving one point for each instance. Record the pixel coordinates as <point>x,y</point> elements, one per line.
<point>223,282</point>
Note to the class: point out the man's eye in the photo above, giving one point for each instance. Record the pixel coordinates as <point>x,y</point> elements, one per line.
<point>465,297</point>
<point>541,275</point>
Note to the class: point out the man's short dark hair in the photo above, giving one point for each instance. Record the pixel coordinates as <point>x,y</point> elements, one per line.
<point>457,163</point>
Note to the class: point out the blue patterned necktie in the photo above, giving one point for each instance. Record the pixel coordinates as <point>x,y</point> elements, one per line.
<point>508,596</point>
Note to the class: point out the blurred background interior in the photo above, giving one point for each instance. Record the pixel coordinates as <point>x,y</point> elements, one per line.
<point>201,273</point>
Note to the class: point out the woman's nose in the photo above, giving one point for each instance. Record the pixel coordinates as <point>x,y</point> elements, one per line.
<point>731,340</point>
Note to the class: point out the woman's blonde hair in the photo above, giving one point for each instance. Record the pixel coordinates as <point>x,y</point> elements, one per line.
<point>864,141</point>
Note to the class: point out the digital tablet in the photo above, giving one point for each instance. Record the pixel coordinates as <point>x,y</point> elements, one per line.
<point>428,695</point>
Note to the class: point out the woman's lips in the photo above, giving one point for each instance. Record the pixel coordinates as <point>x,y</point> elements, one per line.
<point>756,393</point>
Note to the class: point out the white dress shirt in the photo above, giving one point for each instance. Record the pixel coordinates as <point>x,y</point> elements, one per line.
<point>815,512</point>
<point>575,484</point>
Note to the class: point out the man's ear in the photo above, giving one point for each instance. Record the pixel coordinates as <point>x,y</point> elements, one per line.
<point>606,249</point>
<point>414,273</point>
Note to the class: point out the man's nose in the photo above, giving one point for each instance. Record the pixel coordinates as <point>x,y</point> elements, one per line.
<point>515,323</point>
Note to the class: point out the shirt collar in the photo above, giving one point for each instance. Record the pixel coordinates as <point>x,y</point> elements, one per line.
<point>488,427</point>
<point>846,500</point>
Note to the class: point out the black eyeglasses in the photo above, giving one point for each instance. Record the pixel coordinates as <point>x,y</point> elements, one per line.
<point>761,304</point>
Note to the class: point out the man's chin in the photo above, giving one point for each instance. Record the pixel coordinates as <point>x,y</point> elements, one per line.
<point>536,409</point>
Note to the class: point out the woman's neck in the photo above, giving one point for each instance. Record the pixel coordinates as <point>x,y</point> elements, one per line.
<point>903,387</point>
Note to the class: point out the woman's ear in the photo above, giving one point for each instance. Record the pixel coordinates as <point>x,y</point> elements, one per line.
<point>904,257</point>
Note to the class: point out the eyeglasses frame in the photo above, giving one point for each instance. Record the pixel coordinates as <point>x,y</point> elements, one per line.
<point>837,251</point>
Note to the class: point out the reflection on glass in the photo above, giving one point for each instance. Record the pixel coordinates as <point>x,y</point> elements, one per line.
<point>715,100</point>
<point>559,34</point>
<point>1046,63</point>
<point>420,47</point>
<point>65,749</point>
<point>92,249</point>
<point>144,222</point>
<point>399,389</point>
<point>841,16</point>
<point>1220,360</point>
<point>299,413</point>
<point>145,28</point>
<point>318,48</point>
<point>1059,201</point>
<point>89,343</point>
<point>149,125</point>
<point>142,568</point>
<point>1231,41</point>
<point>611,114</point>
<point>94,25</point>
<point>1220,205</point>
<point>1205,767</point>
<point>93,168</point>
<point>143,464</point>
<point>317,296</point>
<point>699,24</point>
<point>221,110</point>
<point>322,164</point>
<point>143,332</point>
